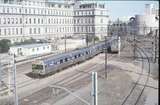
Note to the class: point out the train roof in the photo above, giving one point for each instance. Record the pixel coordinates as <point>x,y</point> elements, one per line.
<point>64,54</point>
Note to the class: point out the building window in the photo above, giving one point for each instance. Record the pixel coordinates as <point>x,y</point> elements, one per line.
<point>34,21</point>
<point>9,31</point>
<point>29,11</point>
<point>30,21</point>
<point>46,30</point>
<point>78,29</point>
<point>77,20</point>
<point>59,6</point>
<point>7,10</point>
<point>34,12</point>
<point>42,21</point>
<point>20,20</point>
<point>89,20</point>
<point>82,28</point>
<point>25,11</point>
<point>89,12</point>
<point>5,32</point>
<point>30,31</point>
<point>34,30</point>
<point>26,21</point>
<point>38,21</point>
<point>21,31</point>
<point>32,49</point>
<point>17,31</point>
<point>12,31</point>
<point>16,20</point>
<point>8,20</point>
<point>39,30</point>
<point>20,10</point>
<point>101,20</point>
<point>49,21</point>
<point>4,20</point>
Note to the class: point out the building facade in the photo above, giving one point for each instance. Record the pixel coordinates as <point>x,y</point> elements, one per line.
<point>147,22</point>
<point>41,19</point>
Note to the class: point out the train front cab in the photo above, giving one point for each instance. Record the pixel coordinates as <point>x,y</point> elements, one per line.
<point>38,68</point>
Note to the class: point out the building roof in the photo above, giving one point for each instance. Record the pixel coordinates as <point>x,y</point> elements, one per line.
<point>31,45</point>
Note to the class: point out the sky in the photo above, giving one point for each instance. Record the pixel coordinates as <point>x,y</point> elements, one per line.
<point>118,9</point>
<point>123,8</point>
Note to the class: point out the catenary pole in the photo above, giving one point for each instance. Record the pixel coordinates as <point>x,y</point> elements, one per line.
<point>14,81</point>
<point>94,89</point>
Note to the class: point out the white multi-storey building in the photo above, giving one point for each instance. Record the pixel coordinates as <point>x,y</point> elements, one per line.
<point>41,19</point>
<point>147,22</point>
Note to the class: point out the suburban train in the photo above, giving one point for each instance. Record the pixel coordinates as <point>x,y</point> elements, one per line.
<point>58,62</point>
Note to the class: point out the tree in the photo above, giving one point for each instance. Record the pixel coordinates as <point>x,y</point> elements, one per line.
<point>96,38</point>
<point>4,45</point>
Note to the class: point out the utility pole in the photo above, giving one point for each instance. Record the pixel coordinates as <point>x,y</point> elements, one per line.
<point>134,50</point>
<point>0,73</point>
<point>105,56</point>
<point>87,40</point>
<point>155,46</point>
<point>119,45</point>
<point>65,43</point>
<point>14,82</point>
<point>94,89</point>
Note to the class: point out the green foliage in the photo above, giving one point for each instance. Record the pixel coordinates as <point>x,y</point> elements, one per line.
<point>92,38</point>
<point>4,45</point>
<point>96,38</point>
<point>89,38</point>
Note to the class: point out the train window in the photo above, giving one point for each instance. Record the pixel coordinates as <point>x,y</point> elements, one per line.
<point>66,59</point>
<point>86,52</point>
<point>35,66</point>
<point>70,58</point>
<point>55,63</point>
<point>75,56</point>
<point>79,55</point>
<point>61,61</point>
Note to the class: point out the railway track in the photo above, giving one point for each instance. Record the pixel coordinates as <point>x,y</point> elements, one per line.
<point>70,79</point>
<point>133,89</point>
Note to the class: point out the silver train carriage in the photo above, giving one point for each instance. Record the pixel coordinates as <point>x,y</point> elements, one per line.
<point>60,61</point>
